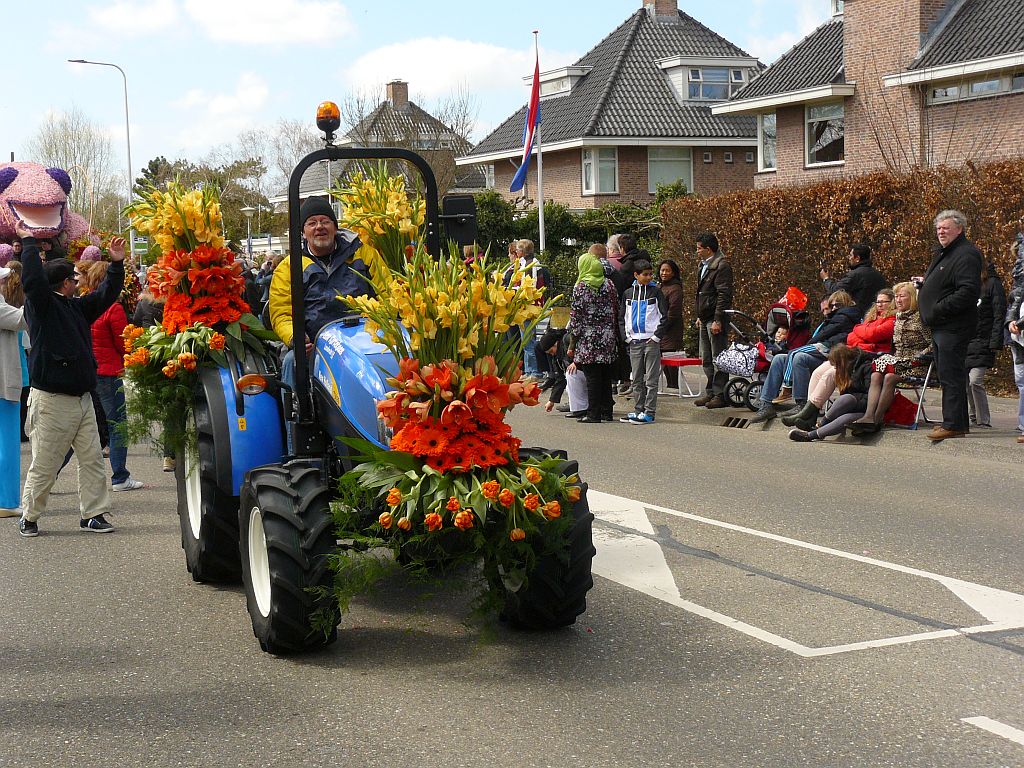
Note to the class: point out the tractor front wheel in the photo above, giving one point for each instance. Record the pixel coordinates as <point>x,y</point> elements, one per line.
<point>285,536</point>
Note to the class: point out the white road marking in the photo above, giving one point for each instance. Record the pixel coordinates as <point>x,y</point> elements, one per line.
<point>638,562</point>
<point>1015,735</point>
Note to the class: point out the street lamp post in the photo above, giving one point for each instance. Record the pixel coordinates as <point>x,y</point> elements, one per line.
<point>128,139</point>
<point>248,211</point>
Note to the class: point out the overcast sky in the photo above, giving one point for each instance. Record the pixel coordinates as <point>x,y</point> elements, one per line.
<point>200,71</point>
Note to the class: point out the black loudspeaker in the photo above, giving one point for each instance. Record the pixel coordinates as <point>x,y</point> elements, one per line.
<point>458,216</point>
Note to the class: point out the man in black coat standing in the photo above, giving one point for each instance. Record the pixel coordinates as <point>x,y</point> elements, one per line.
<point>714,297</point>
<point>948,301</point>
<point>862,282</point>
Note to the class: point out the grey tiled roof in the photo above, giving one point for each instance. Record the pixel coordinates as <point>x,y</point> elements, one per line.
<point>388,122</point>
<point>815,61</point>
<point>625,94</point>
<point>979,29</point>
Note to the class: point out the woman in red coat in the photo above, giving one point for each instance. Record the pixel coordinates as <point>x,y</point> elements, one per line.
<point>108,348</point>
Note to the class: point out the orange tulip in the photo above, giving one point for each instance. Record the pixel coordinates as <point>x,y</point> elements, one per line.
<point>552,510</point>
<point>464,520</point>
<point>531,502</point>
<point>573,493</point>
<point>490,489</point>
<point>506,497</point>
<point>405,524</point>
<point>453,505</point>
<point>433,521</point>
<point>394,497</point>
<point>533,475</point>
<point>516,534</point>
<point>385,520</point>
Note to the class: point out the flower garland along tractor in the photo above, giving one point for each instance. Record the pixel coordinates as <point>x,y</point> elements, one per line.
<point>254,501</point>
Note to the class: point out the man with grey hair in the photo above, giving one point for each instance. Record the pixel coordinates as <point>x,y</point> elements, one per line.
<point>948,301</point>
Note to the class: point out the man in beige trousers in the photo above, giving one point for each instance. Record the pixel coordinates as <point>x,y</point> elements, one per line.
<point>62,372</point>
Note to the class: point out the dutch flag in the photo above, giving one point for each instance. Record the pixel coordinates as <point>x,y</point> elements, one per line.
<point>529,130</point>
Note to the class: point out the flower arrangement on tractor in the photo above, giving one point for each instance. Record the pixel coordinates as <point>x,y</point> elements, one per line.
<point>455,485</point>
<point>204,313</point>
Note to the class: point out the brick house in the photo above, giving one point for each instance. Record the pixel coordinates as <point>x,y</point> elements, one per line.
<point>632,113</point>
<point>891,84</point>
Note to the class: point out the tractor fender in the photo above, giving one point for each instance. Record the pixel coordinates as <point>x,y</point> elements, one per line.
<point>248,431</point>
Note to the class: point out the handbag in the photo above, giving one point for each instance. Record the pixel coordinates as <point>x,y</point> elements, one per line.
<point>737,360</point>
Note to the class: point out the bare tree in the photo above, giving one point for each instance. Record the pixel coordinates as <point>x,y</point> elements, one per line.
<point>289,141</point>
<point>70,140</point>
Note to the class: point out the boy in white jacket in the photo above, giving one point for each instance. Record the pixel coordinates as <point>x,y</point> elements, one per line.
<point>643,318</point>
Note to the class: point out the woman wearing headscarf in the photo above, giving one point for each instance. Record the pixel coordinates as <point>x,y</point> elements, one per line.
<point>13,374</point>
<point>593,316</point>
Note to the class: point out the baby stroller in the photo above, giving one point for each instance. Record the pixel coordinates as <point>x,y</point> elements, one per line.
<point>755,346</point>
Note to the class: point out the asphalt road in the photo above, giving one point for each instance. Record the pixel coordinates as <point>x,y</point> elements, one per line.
<point>688,655</point>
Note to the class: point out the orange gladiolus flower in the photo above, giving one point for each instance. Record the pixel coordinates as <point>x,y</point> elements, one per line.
<point>394,497</point>
<point>464,520</point>
<point>533,475</point>
<point>433,521</point>
<point>385,520</point>
<point>516,534</point>
<point>531,502</point>
<point>506,497</point>
<point>552,510</point>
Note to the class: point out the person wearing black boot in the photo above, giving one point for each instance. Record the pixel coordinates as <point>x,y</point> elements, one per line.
<point>593,322</point>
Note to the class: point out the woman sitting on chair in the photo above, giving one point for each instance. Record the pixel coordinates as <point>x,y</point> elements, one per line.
<point>911,342</point>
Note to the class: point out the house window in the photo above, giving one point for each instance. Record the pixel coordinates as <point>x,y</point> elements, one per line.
<point>985,87</point>
<point>825,133</point>
<point>667,165</point>
<point>715,83</point>
<point>600,171</point>
<point>1017,81</point>
<point>978,88</point>
<point>551,87</point>
<point>837,7</point>
<point>945,93</point>
<point>766,141</point>
<point>489,176</point>
<point>727,156</point>
<point>707,157</point>
<point>750,157</point>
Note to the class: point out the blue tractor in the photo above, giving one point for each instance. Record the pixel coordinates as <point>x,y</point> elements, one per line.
<point>254,499</point>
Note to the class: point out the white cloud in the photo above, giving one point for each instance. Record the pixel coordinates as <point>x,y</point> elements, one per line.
<point>808,15</point>
<point>209,118</point>
<point>438,66</point>
<point>270,22</point>
<point>135,17</point>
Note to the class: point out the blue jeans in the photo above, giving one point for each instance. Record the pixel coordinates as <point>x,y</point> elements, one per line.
<point>530,355</point>
<point>772,384</point>
<point>111,392</point>
<point>803,364</point>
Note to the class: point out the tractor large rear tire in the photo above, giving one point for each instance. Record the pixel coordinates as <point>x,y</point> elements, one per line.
<point>556,589</point>
<point>286,534</point>
<point>207,516</point>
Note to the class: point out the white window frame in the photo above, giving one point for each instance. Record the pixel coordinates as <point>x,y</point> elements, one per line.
<point>727,157</point>
<point>963,90</point>
<point>595,163</point>
<point>708,158</point>
<point>731,83</point>
<point>837,7</point>
<point>807,146</point>
<point>761,154</point>
<point>651,186</point>
<point>750,157</point>
<point>489,176</point>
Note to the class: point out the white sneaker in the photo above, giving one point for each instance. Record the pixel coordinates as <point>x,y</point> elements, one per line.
<point>131,484</point>
<point>8,512</point>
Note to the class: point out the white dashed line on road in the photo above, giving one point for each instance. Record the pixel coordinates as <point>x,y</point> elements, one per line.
<point>1015,735</point>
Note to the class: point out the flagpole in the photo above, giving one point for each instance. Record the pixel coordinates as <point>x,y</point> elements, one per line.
<point>540,160</point>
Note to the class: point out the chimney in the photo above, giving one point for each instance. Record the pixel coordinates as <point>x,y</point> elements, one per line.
<point>668,8</point>
<point>398,93</point>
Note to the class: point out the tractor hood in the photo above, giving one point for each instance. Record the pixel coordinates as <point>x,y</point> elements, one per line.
<point>351,367</point>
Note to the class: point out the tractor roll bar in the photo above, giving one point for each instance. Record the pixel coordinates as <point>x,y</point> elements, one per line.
<point>303,395</point>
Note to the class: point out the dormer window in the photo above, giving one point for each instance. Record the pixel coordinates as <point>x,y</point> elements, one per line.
<point>707,78</point>
<point>714,83</point>
<point>558,82</point>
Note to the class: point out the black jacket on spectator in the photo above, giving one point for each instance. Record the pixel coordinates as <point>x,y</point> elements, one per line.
<point>147,313</point>
<point>624,275</point>
<point>836,327</point>
<point>948,299</point>
<point>61,359</point>
<point>862,282</point>
<point>988,338</point>
<point>714,290</point>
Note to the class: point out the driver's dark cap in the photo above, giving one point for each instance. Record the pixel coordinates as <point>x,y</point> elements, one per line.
<point>317,206</point>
